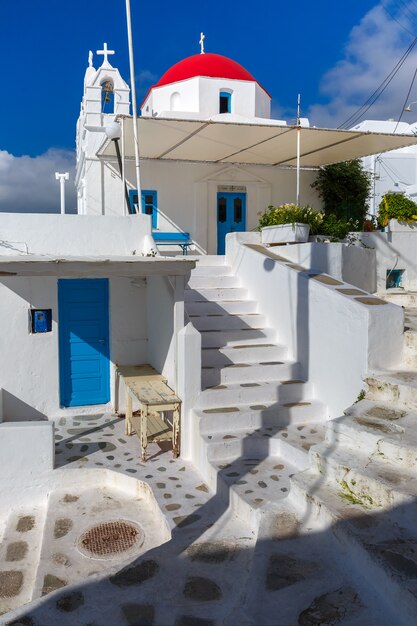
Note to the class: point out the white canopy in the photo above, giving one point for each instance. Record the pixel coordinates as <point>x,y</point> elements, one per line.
<point>261,144</point>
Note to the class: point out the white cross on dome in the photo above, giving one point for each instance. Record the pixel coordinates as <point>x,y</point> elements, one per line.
<point>201,42</point>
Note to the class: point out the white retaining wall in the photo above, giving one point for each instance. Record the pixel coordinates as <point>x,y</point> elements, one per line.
<point>394,250</point>
<point>336,338</point>
<point>72,235</point>
<point>352,264</point>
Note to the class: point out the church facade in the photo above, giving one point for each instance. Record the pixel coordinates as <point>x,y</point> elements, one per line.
<point>203,200</point>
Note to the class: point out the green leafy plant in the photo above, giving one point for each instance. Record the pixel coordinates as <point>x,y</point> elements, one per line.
<point>336,228</point>
<point>344,189</point>
<point>395,205</point>
<point>291,214</point>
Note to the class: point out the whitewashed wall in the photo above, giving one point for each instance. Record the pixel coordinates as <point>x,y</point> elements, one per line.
<point>336,339</point>
<point>191,205</point>
<point>394,250</point>
<point>201,95</point>
<point>352,264</point>
<point>72,235</point>
<point>29,367</point>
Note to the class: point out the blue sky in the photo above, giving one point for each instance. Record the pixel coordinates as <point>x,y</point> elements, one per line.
<point>333,53</point>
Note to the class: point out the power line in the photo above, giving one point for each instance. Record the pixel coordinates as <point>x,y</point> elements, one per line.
<point>406,100</point>
<point>355,117</point>
<point>395,20</point>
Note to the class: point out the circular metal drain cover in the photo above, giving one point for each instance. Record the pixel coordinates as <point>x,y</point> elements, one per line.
<point>111,538</point>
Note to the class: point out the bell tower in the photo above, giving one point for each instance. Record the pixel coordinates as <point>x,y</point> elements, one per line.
<point>106,95</point>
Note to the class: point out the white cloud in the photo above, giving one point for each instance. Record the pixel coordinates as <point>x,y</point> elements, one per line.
<point>374,47</point>
<point>146,77</point>
<point>28,184</point>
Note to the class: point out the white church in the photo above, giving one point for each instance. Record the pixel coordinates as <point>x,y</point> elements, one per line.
<point>197,428</point>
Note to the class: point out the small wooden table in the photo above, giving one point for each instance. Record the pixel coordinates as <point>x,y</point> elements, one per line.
<point>150,388</point>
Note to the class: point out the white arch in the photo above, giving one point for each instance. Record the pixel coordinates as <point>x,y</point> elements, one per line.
<point>175,101</point>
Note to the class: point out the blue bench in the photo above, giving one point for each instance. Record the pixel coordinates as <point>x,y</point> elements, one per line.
<point>173,239</point>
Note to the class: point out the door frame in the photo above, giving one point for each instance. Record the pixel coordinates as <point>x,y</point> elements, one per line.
<point>230,195</point>
<point>64,393</point>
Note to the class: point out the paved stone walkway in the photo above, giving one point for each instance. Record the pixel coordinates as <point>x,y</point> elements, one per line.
<point>216,569</point>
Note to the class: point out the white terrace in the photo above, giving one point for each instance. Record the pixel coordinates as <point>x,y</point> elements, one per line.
<point>279,511</point>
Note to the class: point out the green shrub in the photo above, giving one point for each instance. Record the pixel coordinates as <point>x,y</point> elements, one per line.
<point>320,224</point>
<point>292,214</point>
<point>336,228</point>
<point>344,189</point>
<point>395,205</point>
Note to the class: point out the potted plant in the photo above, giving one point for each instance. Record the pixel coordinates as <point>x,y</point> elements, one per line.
<point>289,223</point>
<point>397,212</point>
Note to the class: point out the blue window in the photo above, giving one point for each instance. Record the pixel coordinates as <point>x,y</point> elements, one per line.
<point>149,204</point>
<point>225,102</point>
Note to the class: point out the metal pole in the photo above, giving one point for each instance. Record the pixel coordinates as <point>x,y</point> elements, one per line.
<point>62,178</point>
<point>134,110</point>
<point>298,148</point>
<point>126,208</point>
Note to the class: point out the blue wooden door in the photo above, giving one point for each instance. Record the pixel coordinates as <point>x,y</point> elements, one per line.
<point>84,341</point>
<point>231,216</point>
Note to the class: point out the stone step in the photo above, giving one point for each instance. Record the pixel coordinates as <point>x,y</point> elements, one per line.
<point>211,270</point>
<point>409,359</point>
<point>251,483</point>
<point>247,418</point>
<point>234,307</point>
<point>255,353</point>
<point>215,295</point>
<point>378,548</point>
<point>400,297</point>
<point>233,337</point>
<point>286,393</point>
<point>19,556</point>
<point>227,322</point>
<point>367,480</point>
<point>393,387</point>
<point>262,442</point>
<point>212,376</point>
<point>213,282</point>
<point>368,429</point>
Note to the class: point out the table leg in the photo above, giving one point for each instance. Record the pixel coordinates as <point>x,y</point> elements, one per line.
<point>144,430</point>
<point>128,424</point>
<point>176,431</point>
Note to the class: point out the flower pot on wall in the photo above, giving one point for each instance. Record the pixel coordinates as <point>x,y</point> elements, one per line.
<point>285,233</point>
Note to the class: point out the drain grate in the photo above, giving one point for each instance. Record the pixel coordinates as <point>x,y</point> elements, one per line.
<point>110,538</point>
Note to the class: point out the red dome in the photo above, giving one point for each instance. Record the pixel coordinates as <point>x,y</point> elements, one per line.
<point>211,65</point>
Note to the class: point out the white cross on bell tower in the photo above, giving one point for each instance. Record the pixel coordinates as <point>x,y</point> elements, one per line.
<point>105,52</point>
<point>201,42</point>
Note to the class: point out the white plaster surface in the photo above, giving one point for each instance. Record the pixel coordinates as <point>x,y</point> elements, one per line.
<point>352,264</point>
<point>201,95</point>
<point>29,368</point>
<point>72,235</point>
<point>335,338</point>
<point>394,250</point>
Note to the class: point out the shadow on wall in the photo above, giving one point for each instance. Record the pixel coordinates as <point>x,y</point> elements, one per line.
<point>21,412</point>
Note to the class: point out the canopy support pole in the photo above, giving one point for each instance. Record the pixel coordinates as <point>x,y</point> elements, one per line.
<point>298,149</point>
<point>134,110</point>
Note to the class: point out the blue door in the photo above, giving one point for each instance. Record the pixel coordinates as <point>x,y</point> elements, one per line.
<point>231,216</point>
<point>84,341</point>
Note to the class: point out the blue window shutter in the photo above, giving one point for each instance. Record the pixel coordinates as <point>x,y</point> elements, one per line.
<point>149,203</point>
<point>225,102</point>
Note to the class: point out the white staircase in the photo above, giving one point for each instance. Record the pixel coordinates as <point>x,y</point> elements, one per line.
<point>252,398</point>
<point>363,481</point>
